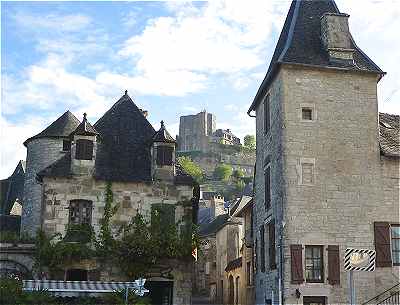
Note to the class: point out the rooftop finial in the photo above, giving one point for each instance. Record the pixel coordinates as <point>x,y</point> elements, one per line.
<point>162,124</point>
<point>84,116</point>
<point>126,92</point>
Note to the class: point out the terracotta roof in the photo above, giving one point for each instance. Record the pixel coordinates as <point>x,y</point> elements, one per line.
<point>62,127</point>
<point>389,134</point>
<point>300,43</point>
<point>163,136</point>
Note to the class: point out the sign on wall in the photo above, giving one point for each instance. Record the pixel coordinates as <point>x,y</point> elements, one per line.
<point>359,259</point>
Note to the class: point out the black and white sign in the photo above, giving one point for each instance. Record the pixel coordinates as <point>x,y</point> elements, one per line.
<point>359,259</point>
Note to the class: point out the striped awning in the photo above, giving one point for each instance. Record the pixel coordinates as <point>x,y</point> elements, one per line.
<point>77,286</point>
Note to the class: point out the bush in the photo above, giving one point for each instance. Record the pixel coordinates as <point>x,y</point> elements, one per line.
<point>223,172</point>
<point>191,168</point>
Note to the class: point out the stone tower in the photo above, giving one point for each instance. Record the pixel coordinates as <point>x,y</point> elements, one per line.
<point>195,130</point>
<point>320,181</point>
<point>42,150</point>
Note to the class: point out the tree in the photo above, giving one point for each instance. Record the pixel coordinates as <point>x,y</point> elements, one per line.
<point>223,172</point>
<point>250,142</point>
<point>191,168</point>
<point>238,173</point>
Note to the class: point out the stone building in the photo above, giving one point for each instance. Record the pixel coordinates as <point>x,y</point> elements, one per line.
<point>195,131</point>
<point>69,166</point>
<point>327,165</point>
<point>225,136</point>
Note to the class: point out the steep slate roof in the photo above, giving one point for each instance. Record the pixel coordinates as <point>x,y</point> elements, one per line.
<point>234,264</point>
<point>389,134</point>
<point>300,43</point>
<point>124,152</point>
<point>62,127</point>
<point>163,136</point>
<point>84,128</point>
<point>12,188</point>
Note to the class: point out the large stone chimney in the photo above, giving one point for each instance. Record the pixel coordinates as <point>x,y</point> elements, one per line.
<point>336,37</point>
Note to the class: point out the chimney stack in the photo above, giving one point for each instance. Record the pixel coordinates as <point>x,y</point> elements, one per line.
<point>336,37</point>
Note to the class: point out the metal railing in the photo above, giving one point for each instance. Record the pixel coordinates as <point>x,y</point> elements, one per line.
<point>390,296</point>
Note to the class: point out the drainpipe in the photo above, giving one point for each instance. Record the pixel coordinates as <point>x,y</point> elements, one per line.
<point>280,284</point>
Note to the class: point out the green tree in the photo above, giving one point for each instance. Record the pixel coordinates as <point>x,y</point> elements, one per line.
<point>250,142</point>
<point>238,173</point>
<point>223,172</point>
<point>191,168</point>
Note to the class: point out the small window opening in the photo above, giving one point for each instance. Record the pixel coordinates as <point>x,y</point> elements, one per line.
<point>307,173</point>
<point>66,145</point>
<point>84,149</point>
<point>306,114</point>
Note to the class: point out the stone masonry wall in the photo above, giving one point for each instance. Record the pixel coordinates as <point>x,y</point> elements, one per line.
<point>268,145</point>
<point>40,154</point>
<point>353,185</point>
<point>132,198</point>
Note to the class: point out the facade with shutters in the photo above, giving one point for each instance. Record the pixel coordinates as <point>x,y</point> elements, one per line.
<point>327,170</point>
<point>122,150</point>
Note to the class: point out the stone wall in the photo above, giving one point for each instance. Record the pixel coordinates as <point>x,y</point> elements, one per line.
<point>268,145</point>
<point>131,198</point>
<point>40,154</point>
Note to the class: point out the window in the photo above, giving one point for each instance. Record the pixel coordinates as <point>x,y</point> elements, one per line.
<point>66,145</point>
<point>248,273</point>
<point>307,173</point>
<point>267,195</point>
<point>267,123</point>
<point>80,212</point>
<point>314,264</point>
<point>395,235</point>
<point>314,300</point>
<point>164,155</point>
<point>84,149</point>
<point>262,248</point>
<point>306,114</point>
<point>272,254</point>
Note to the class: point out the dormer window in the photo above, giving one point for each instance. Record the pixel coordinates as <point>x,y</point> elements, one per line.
<point>164,155</point>
<point>84,149</point>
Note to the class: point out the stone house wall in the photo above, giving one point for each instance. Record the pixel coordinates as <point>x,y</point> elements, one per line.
<point>131,198</point>
<point>351,179</point>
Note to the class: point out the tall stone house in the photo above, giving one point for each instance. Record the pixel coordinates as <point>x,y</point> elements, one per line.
<point>69,165</point>
<point>327,169</point>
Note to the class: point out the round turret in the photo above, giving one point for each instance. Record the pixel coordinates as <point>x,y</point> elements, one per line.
<point>43,150</point>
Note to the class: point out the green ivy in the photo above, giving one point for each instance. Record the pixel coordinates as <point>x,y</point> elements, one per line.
<point>135,248</point>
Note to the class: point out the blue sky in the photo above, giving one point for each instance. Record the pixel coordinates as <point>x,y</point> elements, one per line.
<point>174,58</point>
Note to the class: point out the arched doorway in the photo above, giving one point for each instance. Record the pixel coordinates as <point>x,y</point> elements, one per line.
<point>231,290</point>
<point>9,268</point>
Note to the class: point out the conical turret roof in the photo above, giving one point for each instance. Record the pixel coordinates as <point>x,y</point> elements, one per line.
<point>60,128</point>
<point>85,128</point>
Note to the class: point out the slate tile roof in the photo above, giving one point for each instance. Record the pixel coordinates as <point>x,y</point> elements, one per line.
<point>163,136</point>
<point>300,43</point>
<point>214,226</point>
<point>12,188</point>
<point>123,148</point>
<point>234,264</point>
<point>84,128</point>
<point>389,134</point>
<point>62,127</point>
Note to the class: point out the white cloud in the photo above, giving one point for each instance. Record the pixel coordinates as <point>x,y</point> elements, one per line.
<point>12,136</point>
<point>225,37</point>
<point>52,22</point>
